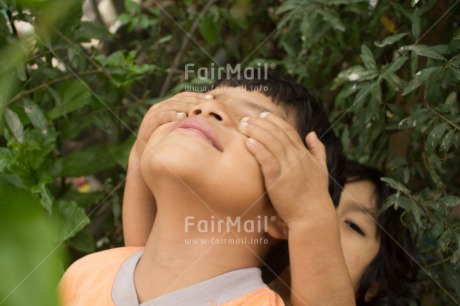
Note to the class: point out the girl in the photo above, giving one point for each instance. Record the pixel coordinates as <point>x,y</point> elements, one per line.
<point>389,277</point>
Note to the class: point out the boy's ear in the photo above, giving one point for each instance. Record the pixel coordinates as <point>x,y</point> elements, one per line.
<point>278,229</point>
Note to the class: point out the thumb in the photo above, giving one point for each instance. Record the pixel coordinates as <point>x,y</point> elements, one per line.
<point>316,147</point>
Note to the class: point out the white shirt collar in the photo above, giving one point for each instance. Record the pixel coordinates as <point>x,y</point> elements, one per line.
<point>215,291</point>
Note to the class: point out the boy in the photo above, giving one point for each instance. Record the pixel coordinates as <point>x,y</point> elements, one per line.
<point>234,156</point>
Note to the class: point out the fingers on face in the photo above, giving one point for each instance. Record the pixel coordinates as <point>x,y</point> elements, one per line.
<point>153,121</point>
<point>270,166</point>
<point>266,134</point>
<point>173,109</point>
<point>185,100</point>
<point>316,147</point>
<point>282,125</point>
<point>278,136</point>
<point>273,142</point>
<point>170,110</point>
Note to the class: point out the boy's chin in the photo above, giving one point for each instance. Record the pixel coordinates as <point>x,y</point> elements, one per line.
<point>177,163</point>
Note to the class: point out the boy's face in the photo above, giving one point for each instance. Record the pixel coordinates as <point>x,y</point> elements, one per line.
<point>356,212</point>
<point>220,170</point>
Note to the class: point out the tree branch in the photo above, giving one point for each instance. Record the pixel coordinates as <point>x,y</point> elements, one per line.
<point>184,45</point>
<point>442,117</point>
<point>95,64</point>
<point>46,84</point>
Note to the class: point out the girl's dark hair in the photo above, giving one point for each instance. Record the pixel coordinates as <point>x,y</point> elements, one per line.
<point>394,269</point>
<point>311,115</point>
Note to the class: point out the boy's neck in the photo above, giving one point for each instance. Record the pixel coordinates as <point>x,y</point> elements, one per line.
<point>177,256</point>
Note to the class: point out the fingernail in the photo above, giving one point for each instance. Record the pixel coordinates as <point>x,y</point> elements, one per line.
<point>208,96</point>
<point>244,121</point>
<point>251,141</point>
<point>264,114</point>
<point>181,115</point>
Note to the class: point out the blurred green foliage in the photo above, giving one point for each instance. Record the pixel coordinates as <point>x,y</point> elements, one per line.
<point>30,259</point>
<point>389,71</point>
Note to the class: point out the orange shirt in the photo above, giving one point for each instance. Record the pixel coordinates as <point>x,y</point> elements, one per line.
<point>107,278</point>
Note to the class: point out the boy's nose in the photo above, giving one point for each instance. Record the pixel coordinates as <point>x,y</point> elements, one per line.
<point>211,109</point>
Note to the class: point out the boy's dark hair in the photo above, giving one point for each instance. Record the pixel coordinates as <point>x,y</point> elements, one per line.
<point>393,270</point>
<point>311,115</point>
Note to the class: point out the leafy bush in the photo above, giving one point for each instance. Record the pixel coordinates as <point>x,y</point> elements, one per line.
<point>389,71</point>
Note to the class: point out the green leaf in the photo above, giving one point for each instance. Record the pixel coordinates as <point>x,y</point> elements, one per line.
<point>451,273</point>
<point>456,72</point>
<point>15,125</point>
<point>451,99</point>
<point>16,202</point>
<point>71,219</point>
<point>360,97</point>
<point>390,40</point>
<point>35,114</point>
<point>354,74</point>
<point>21,73</point>
<point>46,198</point>
<point>55,95</point>
<point>409,205</point>
<point>424,50</point>
<point>446,239</point>
<point>395,185</point>
<point>420,78</point>
<point>209,30</point>
<point>92,160</point>
<point>393,81</point>
<point>416,27</point>
<point>368,58</point>
<point>447,141</point>
<point>421,116</point>
<point>84,200</point>
<point>332,18</point>
<point>74,95</point>
<point>11,178</point>
<point>239,12</point>
<point>347,90</point>
<point>125,18</point>
<point>449,201</point>
<point>121,152</point>
<point>435,137</point>
<point>93,30</point>
<point>165,39</point>
<point>83,242</point>
<point>396,65</point>
<point>132,6</point>
<point>29,254</point>
<point>307,25</point>
<point>377,93</point>
<point>289,6</point>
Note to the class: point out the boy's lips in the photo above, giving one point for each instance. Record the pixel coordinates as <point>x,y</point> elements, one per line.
<point>201,128</point>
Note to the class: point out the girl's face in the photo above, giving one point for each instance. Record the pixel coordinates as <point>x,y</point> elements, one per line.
<point>357,212</point>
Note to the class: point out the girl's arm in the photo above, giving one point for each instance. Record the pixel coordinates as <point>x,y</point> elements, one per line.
<point>319,275</point>
<point>139,207</point>
<point>296,180</point>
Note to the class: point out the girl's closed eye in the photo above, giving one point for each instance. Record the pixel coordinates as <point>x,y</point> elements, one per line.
<point>355,227</point>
